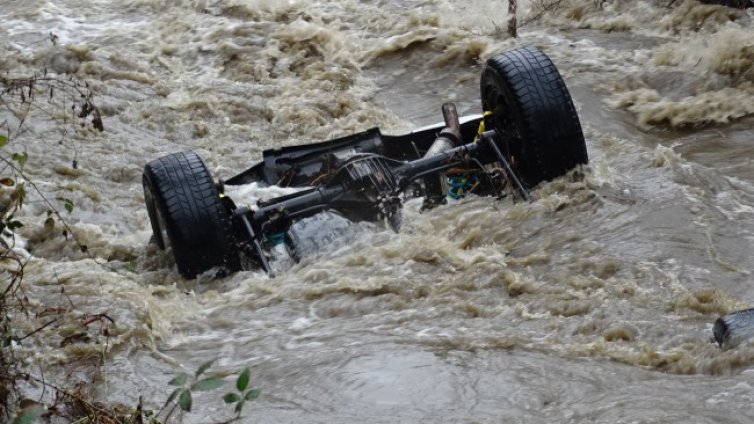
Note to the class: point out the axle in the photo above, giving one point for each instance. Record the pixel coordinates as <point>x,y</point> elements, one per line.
<point>364,178</point>
<point>367,185</point>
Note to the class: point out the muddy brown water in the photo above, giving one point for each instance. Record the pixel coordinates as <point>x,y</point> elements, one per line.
<point>594,303</point>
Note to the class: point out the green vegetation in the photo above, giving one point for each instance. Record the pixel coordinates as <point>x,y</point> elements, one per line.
<point>68,103</point>
<point>182,396</point>
<point>243,395</point>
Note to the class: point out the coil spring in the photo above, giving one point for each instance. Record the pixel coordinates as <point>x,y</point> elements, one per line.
<point>275,238</point>
<point>460,185</point>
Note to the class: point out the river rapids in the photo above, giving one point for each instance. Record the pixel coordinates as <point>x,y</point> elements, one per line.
<point>594,303</point>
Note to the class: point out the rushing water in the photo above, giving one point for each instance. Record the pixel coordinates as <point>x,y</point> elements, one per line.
<point>594,303</point>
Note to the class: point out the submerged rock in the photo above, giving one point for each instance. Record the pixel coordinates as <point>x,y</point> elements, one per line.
<point>734,328</point>
<point>741,4</point>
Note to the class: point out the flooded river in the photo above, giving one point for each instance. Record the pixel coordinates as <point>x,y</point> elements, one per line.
<point>593,303</point>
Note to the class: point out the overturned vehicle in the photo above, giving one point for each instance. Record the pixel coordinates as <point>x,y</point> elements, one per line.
<point>529,132</point>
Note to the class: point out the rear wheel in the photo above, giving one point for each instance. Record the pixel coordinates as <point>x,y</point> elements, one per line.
<point>531,108</point>
<point>188,215</point>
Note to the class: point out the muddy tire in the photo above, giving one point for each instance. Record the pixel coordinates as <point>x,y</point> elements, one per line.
<point>188,216</point>
<point>532,108</point>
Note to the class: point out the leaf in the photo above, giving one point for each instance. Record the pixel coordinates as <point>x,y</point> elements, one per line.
<point>29,416</point>
<point>12,225</point>
<point>49,223</point>
<point>7,182</point>
<point>204,367</point>
<point>172,396</point>
<point>210,383</point>
<point>239,406</point>
<point>21,158</point>
<point>184,401</point>
<point>231,398</point>
<point>243,380</point>
<point>97,121</point>
<point>131,266</point>
<point>3,140</point>
<point>24,418</point>
<point>252,394</point>
<point>68,205</point>
<point>21,191</point>
<point>178,380</point>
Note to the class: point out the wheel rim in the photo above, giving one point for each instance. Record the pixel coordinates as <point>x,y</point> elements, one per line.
<point>508,131</point>
<point>155,218</point>
<point>162,224</point>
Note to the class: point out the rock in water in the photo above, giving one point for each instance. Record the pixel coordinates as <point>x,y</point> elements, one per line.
<point>734,328</point>
<point>741,4</point>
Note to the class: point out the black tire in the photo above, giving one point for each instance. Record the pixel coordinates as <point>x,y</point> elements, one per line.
<point>530,104</point>
<point>187,214</point>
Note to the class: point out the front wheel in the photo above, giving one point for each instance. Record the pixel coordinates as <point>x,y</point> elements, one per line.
<point>188,216</point>
<point>532,109</point>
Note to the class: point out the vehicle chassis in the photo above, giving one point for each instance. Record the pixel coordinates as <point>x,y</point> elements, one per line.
<point>528,133</point>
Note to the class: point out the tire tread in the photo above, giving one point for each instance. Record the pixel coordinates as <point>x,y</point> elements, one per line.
<point>550,127</point>
<point>197,223</point>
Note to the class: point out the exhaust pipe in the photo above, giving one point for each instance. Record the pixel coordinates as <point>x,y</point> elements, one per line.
<point>449,137</point>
